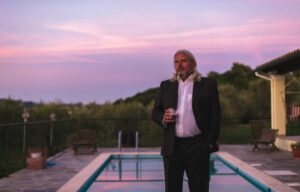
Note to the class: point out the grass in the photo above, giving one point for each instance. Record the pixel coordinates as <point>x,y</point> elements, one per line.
<point>235,134</point>
<point>293,128</point>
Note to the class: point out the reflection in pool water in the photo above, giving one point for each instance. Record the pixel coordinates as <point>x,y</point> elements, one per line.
<point>145,173</point>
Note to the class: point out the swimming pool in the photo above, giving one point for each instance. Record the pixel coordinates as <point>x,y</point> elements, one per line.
<point>144,172</point>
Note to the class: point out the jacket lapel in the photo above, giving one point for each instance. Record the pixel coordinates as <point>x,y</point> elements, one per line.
<point>174,94</point>
<point>196,94</point>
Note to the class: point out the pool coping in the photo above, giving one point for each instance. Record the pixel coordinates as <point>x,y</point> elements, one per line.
<point>76,182</point>
<point>274,184</point>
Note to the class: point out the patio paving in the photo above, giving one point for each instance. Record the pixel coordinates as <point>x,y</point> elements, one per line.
<point>279,165</point>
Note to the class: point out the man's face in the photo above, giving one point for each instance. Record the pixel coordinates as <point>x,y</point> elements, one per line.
<point>183,66</point>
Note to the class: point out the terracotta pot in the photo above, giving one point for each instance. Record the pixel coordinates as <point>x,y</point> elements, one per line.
<point>296,152</point>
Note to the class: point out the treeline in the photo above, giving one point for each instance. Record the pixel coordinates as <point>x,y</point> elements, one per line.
<point>243,97</point>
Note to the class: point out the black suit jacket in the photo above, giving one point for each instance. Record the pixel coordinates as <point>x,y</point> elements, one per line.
<point>206,109</point>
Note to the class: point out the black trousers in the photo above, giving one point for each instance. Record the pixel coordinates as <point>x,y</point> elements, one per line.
<point>192,156</point>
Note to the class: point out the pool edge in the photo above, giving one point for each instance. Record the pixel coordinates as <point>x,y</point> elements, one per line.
<point>271,182</point>
<point>78,181</point>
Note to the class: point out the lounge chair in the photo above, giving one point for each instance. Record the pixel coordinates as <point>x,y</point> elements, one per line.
<point>84,138</point>
<point>263,136</point>
<point>256,129</point>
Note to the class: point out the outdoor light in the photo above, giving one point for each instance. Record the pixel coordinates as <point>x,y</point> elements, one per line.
<point>70,113</point>
<point>25,115</point>
<point>52,116</point>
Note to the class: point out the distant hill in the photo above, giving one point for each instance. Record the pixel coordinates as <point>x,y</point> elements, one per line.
<point>144,97</point>
<point>28,104</point>
<point>25,104</point>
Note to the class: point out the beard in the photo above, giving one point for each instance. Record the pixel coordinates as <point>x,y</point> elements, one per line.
<point>184,74</point>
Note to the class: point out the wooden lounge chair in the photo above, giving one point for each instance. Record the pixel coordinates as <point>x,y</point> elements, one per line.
<point>263,136</point>
<point>256,129</point>
<point>84,138</point>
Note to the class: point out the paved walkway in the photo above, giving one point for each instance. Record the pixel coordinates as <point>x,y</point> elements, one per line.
<point>67,165</point>
<point>280,165</point>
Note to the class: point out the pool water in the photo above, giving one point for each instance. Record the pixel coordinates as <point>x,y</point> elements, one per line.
<point>145,173</point>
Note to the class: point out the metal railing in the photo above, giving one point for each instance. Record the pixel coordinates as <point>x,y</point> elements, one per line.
<point>56,136</point>
<point>136,141</point>
<point>16,138</point>
<point>120,141</point>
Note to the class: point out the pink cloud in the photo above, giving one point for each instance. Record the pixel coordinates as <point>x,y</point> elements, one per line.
<point>231,38</point>
<point>8,52</point>
<point>250,36</point>
<point>77,27</point>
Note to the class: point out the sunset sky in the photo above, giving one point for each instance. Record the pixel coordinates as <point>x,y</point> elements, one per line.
<point>103,50</point>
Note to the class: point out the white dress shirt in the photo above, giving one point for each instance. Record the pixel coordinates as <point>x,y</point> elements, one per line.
<point>185,120</point>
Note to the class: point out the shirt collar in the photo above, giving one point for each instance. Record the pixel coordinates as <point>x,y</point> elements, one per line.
<point>188,80</point>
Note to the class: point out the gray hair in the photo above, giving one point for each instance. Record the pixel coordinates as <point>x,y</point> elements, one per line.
<point>187,53</point>
<point>196,76</point>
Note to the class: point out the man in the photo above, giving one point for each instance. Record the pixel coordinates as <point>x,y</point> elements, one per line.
<point>187,108</point>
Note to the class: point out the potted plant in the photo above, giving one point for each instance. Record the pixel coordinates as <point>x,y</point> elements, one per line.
<point>296,149</point>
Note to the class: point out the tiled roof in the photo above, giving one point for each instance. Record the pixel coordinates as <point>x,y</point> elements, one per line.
<point>283,64</point>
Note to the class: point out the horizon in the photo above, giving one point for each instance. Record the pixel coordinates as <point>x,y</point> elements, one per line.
<point>100,51</point>
<point>57,100</point>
